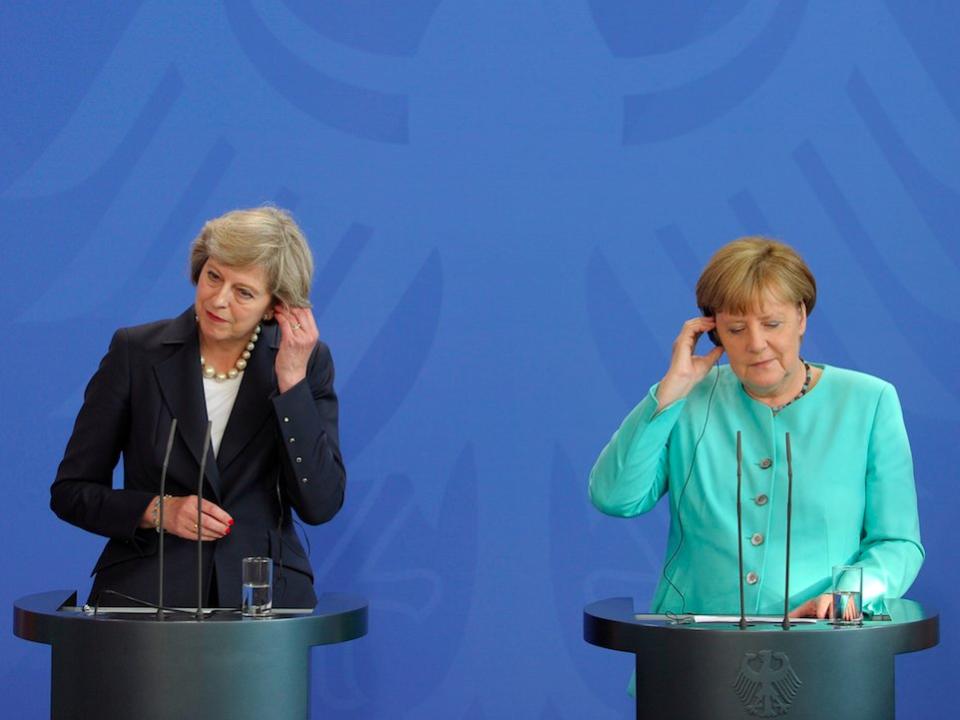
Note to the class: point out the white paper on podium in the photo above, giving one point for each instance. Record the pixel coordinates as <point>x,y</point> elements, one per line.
<point>727,619</point>
<point>755,619</point>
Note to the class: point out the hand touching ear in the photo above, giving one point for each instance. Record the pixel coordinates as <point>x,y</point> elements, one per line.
<point>298,336</point>
<point>687,369</point>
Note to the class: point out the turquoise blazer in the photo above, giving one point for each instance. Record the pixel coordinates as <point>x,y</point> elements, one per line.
<point>854,499</point>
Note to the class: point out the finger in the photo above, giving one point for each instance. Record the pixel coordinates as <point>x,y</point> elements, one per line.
<point>824,606</point>
<point>701,323</point>
<point>715,354</point>
<point>804,610</point>
<point>283,320</point>
<point>308,320</point>
<point>215,526</point>
<point>304,321</point>
<point>692,330</point>
<point>217,513</point>
<point>189,532</point>
<point>290,333</point>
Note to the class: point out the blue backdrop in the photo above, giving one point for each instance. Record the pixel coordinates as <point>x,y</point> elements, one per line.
<point>509,203</point>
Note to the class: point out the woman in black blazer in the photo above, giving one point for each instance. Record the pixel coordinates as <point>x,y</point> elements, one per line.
<point>247,358</point>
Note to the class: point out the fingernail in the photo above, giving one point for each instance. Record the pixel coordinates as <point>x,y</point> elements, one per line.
<point>230,521</point>
<point>227,531</point>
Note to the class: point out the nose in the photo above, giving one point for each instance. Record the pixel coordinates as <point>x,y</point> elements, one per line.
<point>222,298</point>
<point>756,343</point>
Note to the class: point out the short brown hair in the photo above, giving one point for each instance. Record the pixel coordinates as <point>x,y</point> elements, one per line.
<point>740,273</point>
<point>265,236</point>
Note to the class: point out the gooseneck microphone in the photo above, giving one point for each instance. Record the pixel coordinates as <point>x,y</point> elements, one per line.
<point>203,467</point>
<point>743,616</point>
<point>786,583</point>
<point>160,508</point>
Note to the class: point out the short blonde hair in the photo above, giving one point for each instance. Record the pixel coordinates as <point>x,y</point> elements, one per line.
<point>267,237</point>
<point>740,272</point>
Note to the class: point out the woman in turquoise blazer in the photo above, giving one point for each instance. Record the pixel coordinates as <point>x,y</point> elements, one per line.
<point>854,500</point>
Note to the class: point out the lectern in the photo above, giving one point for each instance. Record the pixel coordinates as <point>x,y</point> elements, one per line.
<point>687,671</point>
<point>119,663</point>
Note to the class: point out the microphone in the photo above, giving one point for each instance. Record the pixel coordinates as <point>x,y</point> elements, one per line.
<point>743,617</point>
<point>203,466</point>
<point>160,507</point>
<point>786,583</point>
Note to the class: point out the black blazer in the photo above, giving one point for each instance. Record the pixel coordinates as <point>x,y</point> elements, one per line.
<point>278,452</point>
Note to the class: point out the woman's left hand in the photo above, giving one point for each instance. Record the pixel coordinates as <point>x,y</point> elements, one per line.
<point>298,337</point>
<point>820,606</point>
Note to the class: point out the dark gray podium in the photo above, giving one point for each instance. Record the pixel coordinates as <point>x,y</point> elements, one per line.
<point>719,672</point>
<point>120,664</point>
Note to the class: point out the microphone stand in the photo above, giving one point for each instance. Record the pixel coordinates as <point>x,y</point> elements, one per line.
<point>786,584</point>
<point>203,466</point>
<point>160,508</point>
<point>743,617</point>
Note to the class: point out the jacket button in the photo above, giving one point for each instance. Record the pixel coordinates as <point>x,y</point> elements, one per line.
<point>303,480</point>
<point>766,464</point>
<point>293,439</point>
<point>752,578</point>
<point>761,499</point>
<point>756,539</point>
<point>286,419</point>
<point>299,459</point>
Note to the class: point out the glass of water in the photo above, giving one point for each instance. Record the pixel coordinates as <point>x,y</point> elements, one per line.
<point>257,586</point>
<point>847,595</point>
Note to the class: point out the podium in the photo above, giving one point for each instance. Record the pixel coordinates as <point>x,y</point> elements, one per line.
<point>127,663</point>
<point>720,672</point>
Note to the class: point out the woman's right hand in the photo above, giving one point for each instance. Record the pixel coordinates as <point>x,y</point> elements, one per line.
<point>180,518</point>
<point>687,369</point>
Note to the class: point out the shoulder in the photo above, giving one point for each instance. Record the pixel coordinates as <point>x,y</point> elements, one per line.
<point>853,384</point>
<point>159,332</point>
<point>154,341</point>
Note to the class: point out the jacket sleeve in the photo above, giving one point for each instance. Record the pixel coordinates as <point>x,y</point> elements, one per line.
<point>82,492</point>
<point>630,475</point>
<point>313,474</point>
<point>890,550</point>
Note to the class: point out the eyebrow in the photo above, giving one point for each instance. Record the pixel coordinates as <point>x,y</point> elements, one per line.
<point>767,316</point>
<point>212,265</point>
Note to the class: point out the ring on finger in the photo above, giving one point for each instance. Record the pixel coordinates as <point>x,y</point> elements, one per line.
<point>297,326</point>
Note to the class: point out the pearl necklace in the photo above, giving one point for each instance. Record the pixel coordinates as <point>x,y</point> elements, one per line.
<point>211,373</point>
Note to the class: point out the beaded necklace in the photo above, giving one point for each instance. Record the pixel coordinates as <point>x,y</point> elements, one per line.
<point>803,391</point>
<point>211,373</point>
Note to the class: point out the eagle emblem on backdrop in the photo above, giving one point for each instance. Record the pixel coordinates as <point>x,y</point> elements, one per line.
<point>766,683</point>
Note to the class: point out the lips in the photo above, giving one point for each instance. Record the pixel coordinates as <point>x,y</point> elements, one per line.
<point>762,364</point>
<point>214,318</point>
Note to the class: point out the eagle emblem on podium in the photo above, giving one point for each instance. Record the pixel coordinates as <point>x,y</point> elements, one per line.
<point>766,683</point>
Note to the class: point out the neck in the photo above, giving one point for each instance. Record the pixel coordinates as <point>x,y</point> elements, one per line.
<point>788,390</point>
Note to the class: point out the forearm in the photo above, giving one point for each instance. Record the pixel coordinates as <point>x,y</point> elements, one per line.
<point>630,475</point>
<point>82,492</point>
<point>889,569</point>
<point>313,473</point>
<point>98,509</point>
<point>891,552</point>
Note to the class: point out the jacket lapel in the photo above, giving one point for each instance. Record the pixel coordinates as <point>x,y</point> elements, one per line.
<point>181,385</point>
<point>252,408</point>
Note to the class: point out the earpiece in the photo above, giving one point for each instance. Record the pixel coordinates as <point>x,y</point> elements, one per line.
<point>712,334</point>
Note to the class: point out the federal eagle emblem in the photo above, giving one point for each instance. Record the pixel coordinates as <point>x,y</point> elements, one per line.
<point>766,684</point>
